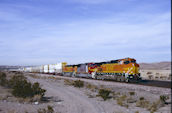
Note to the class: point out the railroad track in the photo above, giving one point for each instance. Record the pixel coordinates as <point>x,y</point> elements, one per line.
<point>155,83</point>
<point>164,84</point>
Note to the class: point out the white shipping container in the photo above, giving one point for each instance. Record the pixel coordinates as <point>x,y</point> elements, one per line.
<point>58,68</point>
<point>28,69</point>
<point>36,69</point>
<point>52,68</point>
<point>42,69</point>
<point>46,68</point>
<point>55,68</point>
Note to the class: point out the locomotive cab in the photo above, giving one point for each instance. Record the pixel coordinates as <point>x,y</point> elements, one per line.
<point>133,69</point>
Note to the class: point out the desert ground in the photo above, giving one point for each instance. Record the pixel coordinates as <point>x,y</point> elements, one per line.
<point>65,98</point>
<point>164,75</point>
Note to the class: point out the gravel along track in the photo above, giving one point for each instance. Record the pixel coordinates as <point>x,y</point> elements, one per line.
<point>164,84</point>
<point>156,83</point>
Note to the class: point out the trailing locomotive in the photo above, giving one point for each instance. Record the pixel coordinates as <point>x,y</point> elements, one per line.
<point>119,70</point>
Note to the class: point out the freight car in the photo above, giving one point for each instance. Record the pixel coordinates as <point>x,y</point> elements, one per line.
<point>119,70</point>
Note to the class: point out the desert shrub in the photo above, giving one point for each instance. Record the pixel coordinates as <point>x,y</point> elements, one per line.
<point>36,98</point>
<point>91,87</point>
<point>26,89</point>
<point>121,99</point>
<point>22,88</point>
<point>104,93</point>
<point>150,77</point>
<point>153,107</point>
<point>37,90</point>
<point>3,79</point>
<point>157,77</point>
<point>131,100</point>
<point>159,103</point>
<point>169,76</point>
<point>157,73</point>
<point>42,110</point>
<point>163,98</point>
<point>141,98</point>
<point>149,72</point>
<point>78,83</point>
<point>48,110</point>
<point>137,112</point>
<point>142,103</point>
<point>15,79</point>
<point>68,82</point>
<point>132,93</point>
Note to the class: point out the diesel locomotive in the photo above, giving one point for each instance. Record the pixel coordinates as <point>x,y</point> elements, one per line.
<point>120,70</point>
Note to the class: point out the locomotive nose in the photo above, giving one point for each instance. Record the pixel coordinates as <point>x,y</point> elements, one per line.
<point>136,68</point>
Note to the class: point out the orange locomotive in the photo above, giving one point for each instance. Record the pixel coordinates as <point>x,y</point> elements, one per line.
<point>120,70</point>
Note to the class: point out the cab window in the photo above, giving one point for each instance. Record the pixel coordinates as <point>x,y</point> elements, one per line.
<point>126,62</point>
<point>114,61</point>
<point>121,62</point>
<point>133,61</point>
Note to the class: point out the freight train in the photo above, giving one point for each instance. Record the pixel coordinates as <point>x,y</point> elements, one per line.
<point>125,70</point>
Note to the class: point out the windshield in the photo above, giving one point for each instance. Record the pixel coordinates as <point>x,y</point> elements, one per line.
<point>133,61</point>
<point>126,62</point>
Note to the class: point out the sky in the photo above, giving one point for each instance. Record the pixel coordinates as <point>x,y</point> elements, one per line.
<point>37,32</point>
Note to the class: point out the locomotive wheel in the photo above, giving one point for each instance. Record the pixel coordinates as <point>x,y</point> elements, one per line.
<point>115,78</point>
<point>118,78</point>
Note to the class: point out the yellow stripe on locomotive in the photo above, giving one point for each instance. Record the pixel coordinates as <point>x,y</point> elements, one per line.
<point>127,65</point>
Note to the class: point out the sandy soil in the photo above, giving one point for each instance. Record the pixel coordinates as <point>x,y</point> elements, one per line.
<point>164,75</point>
<point>69,99</point>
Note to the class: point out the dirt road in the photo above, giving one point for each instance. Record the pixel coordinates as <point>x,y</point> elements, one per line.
<point>74,100</point>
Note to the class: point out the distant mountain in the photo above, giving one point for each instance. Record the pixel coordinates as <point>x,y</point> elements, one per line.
<point>5,67</point>
<point>156,66</point>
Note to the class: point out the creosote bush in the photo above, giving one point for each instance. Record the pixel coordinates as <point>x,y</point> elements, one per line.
<point>137,112</point>
<point>26,89</point>
<point>104,93</point>
<point>163,98</point>
<point>91,87</point>
<point>121,100</point>
<point>142,103</point>
<point>48,110</point>
<point>141,98</point>
<point>78,83</point>
<point>21,87</point>
<point>132,93</point>
<point>3,79</point>
<point>16,79</point>
<point>68,82</point>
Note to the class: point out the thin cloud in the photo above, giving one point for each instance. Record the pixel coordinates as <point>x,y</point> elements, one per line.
<point>50,39</point>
